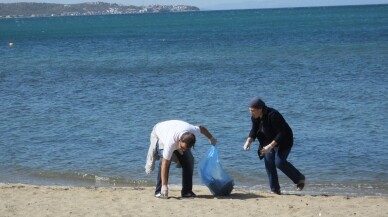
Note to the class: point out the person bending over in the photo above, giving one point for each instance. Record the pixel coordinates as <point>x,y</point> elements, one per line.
<point>172,140</point>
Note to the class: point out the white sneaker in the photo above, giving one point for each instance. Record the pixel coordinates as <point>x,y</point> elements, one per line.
<point>161,196</point>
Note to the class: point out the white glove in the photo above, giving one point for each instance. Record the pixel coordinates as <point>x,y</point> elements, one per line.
<point>266,149</point>
<point>213,141</point>
<point>247,146</point>
<point>164,192</point>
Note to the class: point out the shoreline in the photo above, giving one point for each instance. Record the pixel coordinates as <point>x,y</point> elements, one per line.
<point>36,200</point>
<point>312,188</point>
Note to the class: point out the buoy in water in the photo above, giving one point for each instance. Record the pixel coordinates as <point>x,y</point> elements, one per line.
<point>10,44</point>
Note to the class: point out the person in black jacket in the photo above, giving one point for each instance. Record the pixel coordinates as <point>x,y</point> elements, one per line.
<point>276,140</point>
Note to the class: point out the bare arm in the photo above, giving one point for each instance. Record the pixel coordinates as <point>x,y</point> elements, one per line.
<point>164,171</point>
<point>164,176</point>
<point>208,135</point>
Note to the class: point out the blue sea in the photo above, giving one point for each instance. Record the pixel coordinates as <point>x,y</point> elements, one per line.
<point>79,95</point>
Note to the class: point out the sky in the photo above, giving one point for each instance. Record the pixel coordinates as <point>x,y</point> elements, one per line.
<point>221,4</point>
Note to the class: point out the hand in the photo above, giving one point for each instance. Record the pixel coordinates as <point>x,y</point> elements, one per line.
<point>164,192</point>
<point>266,149</point>
<point>247,146</point>
<point>213,141</point>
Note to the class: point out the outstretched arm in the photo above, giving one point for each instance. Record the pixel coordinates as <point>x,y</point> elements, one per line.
<point>208,135</point>
<point>164,176</point>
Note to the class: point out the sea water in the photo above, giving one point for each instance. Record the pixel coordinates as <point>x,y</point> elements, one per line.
<point>80,95</point>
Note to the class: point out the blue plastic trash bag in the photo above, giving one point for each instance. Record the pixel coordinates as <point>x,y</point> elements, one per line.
<point>213,175</point>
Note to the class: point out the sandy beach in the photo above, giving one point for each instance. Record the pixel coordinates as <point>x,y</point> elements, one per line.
<point>29,200</point>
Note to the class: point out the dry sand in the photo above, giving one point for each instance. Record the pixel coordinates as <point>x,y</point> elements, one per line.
<point>55,201</point>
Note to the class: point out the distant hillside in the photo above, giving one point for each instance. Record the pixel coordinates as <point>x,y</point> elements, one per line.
<point>91,8</point>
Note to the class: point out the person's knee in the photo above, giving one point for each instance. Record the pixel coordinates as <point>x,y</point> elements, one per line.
<point>190,162</point>
<point>187,162</point>
<point>269,163</point>
<point>280,164</point>
<point>189,158</point>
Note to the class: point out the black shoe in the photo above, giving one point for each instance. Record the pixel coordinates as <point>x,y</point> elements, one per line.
<point>276,192</point>
<point>190,194</point>
<point>300,184</point>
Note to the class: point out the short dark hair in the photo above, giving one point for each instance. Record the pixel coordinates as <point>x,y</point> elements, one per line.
<point>257,103</point>
<point>189,139</point>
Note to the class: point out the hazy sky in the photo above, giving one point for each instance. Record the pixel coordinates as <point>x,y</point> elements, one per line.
<point>222,4</point>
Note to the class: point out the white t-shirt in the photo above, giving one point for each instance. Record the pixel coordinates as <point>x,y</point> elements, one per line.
<point>169,132</point>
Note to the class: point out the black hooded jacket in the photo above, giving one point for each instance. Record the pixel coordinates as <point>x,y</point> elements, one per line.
<point>272,126</point>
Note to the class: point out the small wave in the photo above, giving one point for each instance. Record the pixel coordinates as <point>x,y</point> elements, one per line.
<point>330,189</point>
<point>84,179</point>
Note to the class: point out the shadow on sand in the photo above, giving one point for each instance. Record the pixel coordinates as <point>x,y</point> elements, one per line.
<point>236,196</point>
